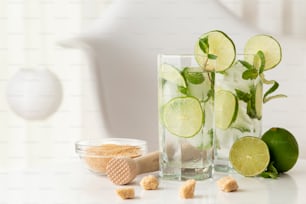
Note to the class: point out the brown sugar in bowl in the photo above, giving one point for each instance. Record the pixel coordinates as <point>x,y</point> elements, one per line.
<point>96,153</point>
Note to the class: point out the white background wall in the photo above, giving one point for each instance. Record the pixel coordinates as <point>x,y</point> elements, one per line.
<point>24,28</point>
<point>284,19</point>
<point>52,139</point>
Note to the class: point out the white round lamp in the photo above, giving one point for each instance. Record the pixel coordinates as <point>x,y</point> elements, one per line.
<point>34,94</point>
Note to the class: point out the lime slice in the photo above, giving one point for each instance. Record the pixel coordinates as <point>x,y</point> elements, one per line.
<point>258,100</point>
<point>219,45</point>
<point>183,116</point>
<point>226,108</point>
<point>268,45</point>
<point>172,74</point>
<point>249,156</point>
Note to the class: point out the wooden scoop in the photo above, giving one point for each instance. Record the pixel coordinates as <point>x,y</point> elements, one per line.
<point>123,170</point>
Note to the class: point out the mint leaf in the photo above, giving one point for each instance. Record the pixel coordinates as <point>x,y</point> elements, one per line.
<point>203,43</point>
<point>250,74</point>
<point>212,56</point>
<point>211,77</point>
<point>210,94</point>
<point>246,64</point>
<point>193,77</point>
<point>211,136</point>
<point>242,129</point>
<point>268,174</point>
<point>182,89</point>
<point>271,171</point>
<point>251,109</point>
<point>249,99</point>
<point>243,96</point>
<point>272,168</point>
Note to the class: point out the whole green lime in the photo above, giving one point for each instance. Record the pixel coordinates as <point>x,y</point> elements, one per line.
<point>283,147</point>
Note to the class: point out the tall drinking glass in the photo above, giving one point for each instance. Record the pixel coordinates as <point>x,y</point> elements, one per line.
<point>186,116</point>
<point>238,108</point>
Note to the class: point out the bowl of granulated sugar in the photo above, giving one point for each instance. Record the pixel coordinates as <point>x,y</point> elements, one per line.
<point>96,153</point>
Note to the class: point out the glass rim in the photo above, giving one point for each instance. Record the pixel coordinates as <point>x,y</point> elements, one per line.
<point>179,55</point>
<point>240,54</point>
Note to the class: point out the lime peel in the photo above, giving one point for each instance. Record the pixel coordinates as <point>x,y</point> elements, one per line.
<point>273,88</point>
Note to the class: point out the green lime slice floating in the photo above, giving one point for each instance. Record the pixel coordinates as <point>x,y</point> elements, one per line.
<point>183,116</point>
<point>172,74</point>
<point>249,156</point>
<point>226,108</point>
<point>219,45</point>
<point>258,100</point>
<point>268,45</point>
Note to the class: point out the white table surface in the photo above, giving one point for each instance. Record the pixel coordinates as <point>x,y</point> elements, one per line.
<point>64,183</point>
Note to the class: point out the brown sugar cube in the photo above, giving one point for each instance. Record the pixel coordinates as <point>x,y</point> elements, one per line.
<point>126,193</point>
<point>149,182</point>
<point>187,189</point>
<point>227,184</point>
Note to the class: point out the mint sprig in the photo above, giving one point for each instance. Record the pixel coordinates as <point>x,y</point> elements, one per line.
<point>256,69</point>
<point>250,100</point>
<point>253,70</point>
<point>271,172</point>
<point>204,45</point>
<point>243,96</point>
<point>250,74</point>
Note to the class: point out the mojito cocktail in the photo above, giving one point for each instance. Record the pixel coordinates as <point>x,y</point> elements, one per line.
<point>238,110</point>
<point>239,80</point>
<point>186,111</point>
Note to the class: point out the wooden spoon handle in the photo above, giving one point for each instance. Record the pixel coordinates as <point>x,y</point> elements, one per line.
<point>148,163</point>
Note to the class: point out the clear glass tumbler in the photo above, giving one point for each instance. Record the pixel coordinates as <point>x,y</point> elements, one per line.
<point>186,116</point>
<point>238,108</point>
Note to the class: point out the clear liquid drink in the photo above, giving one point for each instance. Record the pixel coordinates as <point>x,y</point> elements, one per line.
<point>186,117</point>
<point>238,109</point>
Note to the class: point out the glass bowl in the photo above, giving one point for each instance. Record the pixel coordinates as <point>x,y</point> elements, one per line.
<point>95,153</point>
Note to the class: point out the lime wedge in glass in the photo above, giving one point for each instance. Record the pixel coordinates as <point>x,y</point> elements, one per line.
<point>226,108</point>
<point>219,45</point>
<point>183,116</point>
<point>258,100</point>
<point>268,45</point>
<point>172,74</point>
<point>249,156</point>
